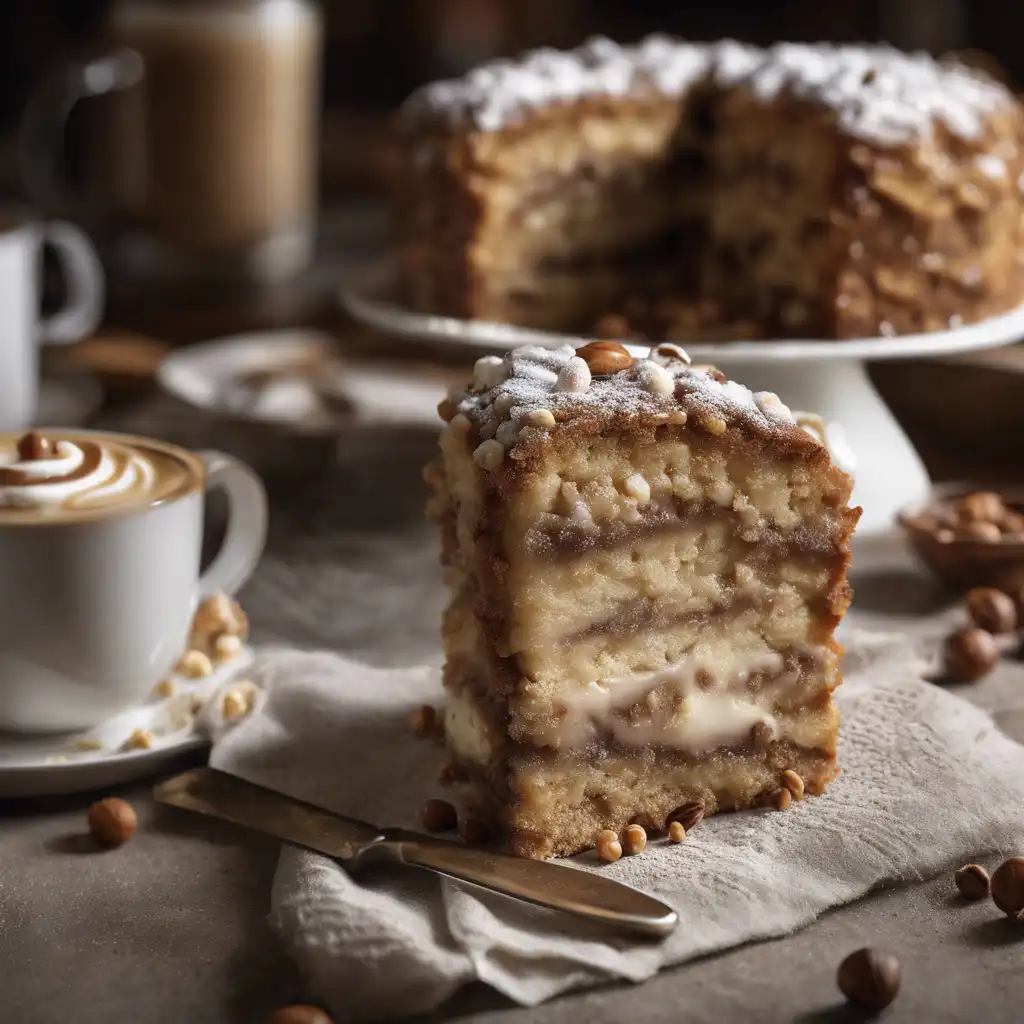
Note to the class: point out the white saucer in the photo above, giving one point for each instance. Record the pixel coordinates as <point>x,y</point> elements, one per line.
<point>312,392</point>
<point>370,295</point>
<point>32,766</point>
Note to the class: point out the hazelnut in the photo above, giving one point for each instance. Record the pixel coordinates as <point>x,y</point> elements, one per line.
<point>634,839</point>
<point>668,354</point>
<point>447,409</point>
<point>474,831</point>
<point>438,816</point>
<point>299,1015</point>
<point>608,846</point>
<point>676,832</point>
<point>605,357</point>
<point>991,609</point>
<point>195,665</point>
<point>870,978</point>
<point>979,533</point>
<point>972,881</point>
<point>220,614</point>
<point>782,798</point>
<point>112,821</point>
<point>239,700</point>
<point>980,507</point>
<point>688,815</point>
<point>227,647</point>
<point>970,654</point>
<point>793,783</point>
<point>1008,887</point>
<point>140,739</point>
<point>424,721</point>
<point>33,446</point>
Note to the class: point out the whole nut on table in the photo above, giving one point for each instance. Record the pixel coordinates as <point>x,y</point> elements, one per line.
<point>1007,887</point>
<point>991,609</point>
<point>870,978</point>
<point>969,654</point>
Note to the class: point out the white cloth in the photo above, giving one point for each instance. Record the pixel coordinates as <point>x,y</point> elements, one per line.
<point>927,781</point>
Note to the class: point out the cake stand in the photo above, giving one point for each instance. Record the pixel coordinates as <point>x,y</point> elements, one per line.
<point>827,378</point>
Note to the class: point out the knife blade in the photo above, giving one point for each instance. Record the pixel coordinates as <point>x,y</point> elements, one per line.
<point>555,886</point>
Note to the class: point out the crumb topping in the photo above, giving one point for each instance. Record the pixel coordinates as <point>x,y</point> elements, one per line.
<point>533,390</point>
<point>877,93</point>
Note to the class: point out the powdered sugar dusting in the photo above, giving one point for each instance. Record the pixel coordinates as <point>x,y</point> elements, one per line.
<point>877,93</point>
<point>532,395</point>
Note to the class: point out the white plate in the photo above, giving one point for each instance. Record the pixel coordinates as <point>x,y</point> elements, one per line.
<point>328,400</point>
<point>370,295</point>
<point>32,766</point>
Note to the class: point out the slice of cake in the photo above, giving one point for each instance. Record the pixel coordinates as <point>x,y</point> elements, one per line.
<point>696,190</point>
<point>646,564</point>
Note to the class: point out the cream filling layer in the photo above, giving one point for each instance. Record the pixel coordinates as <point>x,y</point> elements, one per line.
<point>697,703</point>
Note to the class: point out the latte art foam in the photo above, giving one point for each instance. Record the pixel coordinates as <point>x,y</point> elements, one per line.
<point>80,474</point>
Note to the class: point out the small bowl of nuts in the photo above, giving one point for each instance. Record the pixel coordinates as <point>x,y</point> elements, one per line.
<point>970,537</point>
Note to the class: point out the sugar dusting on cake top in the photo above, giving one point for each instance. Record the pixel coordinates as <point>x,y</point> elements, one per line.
<point>878,94</point>
<point>531,390</point>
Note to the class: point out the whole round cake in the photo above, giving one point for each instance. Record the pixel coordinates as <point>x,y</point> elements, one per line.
<point>680,191</point>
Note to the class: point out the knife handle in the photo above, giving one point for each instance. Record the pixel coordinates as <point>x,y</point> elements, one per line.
<point>582,893</point>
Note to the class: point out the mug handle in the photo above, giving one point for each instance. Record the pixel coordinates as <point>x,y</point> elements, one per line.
<point>43,127</point>
<point>86,286</point>
<point>247,524</point>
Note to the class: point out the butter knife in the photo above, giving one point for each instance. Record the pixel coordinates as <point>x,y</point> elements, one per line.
<point>355,843</point>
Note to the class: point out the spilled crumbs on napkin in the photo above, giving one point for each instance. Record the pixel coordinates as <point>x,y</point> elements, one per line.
<point>927,780</point>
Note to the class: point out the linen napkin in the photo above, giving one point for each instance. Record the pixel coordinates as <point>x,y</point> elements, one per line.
<point>927,781</point>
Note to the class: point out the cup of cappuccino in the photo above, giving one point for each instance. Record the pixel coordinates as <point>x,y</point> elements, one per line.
<point>22,328</point>
<point>100,546</point>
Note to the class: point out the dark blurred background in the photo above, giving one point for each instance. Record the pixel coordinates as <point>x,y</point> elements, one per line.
<point>378,50</point>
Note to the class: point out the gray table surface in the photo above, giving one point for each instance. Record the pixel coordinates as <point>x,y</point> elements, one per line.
<point>171,928</point>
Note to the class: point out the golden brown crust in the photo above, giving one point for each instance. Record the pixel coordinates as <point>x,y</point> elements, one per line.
<point>595,205</point>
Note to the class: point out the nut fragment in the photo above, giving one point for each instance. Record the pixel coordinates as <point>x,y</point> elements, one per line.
<point>299,1015</point>
<point>970,654</point>
<point>33,446</point>
<point>574,376</point>
<point>605,357</point>
<point>489,454</point>
<point>656,379</point>
<point>195,665</point>
<point>676,832</point>
<point>239,700</point>
<point>447,409</point>
<point>972,881</point>
<point>991,609</point>
<point>220,614</point>
<point>489,372</point>
<point>793,783</point>
<point>870,978</point>
<point>543,419</point>
<point>634,839</point>
<point>112,821</point>
<point>140,739</point>
<point>424,721</point>
<point>980,507</point>
<point>1008,887</point>
<point>714,425</point>
<point>668,354</point>
<point>688,815</point>
<point>438,816</point>
<point>608,846</point>
<point>227,647</point>
<point>782,798</point>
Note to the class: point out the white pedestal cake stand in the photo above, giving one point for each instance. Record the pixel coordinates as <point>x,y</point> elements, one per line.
<point>825,377</point>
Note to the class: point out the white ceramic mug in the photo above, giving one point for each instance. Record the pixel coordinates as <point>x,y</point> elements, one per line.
<point>21,326</point>
<point>95,611</point>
